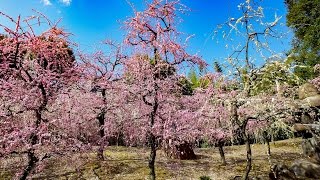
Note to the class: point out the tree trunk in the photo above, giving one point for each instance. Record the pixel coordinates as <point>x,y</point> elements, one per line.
<point>237,136</point>
<point>249,157</point>
<point>32,160</point>
<point>152,157</point>
<point>100,155</point>
<point>223,158</point>
<point>101,120</point>
<point>242,128</point>
<point>269,150</point>
<point>267,140</point>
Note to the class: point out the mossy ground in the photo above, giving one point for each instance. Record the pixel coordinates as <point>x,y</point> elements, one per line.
<point>131,163</point>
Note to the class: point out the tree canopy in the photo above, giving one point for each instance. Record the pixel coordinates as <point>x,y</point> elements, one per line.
<point>304,18</point>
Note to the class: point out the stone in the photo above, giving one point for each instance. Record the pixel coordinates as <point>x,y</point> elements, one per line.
<point>281,172</point>
<point>312,101</point>
<point>306,118</point>
<point>306,169</point>
<point>303,169</point>
<point>308,147</point>
<point>300,169</point>
<point>311,145</point>
<point>298,127</point>
<point>307,90</point>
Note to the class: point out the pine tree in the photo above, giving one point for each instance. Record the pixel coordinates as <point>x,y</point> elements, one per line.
<point>304,18</point>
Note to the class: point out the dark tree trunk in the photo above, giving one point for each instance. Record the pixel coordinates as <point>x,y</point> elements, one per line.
<point>221,152</point>
<point>269,151</point>
<point>267,140</point>
<point>249,157</point>
<point>101,133</point>
<point>152,143</point>
<point>32,161</point>
<point>120,141</point>
<point>237,134</point>
<point>242,127</point>
<point>101,120</point>
<point>152,158</point>
<point>268,146</point>
<point>32,158</point>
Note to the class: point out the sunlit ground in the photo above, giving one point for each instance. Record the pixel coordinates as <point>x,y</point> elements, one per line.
<point>131,163</point>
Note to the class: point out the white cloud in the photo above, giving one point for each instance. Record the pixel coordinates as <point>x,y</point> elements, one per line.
<point>66,2</point>
<point>46,2</point>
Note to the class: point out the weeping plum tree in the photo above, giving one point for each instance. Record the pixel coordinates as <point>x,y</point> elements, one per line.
<point>254,35</point>
<point>33,69</point>
<point>153,34</point>
<point>213,112</point>
<point>156,101</point>
<point>103,71</point>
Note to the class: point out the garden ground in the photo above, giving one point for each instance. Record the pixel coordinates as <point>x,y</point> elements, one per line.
<point>127,163</point>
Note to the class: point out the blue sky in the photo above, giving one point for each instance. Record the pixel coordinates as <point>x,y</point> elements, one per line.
<point>93,21</point>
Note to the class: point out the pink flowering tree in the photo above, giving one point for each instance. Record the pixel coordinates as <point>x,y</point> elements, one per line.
<point>316,81</point>
<point>103,73</point>
<point>212,113</point>
<point>203,98</point>
<point>33,70</point>
<point>158,113</point>
<point>153,75</point>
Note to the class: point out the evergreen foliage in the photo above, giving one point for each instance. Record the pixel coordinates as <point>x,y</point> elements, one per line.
<point>304,18</point>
